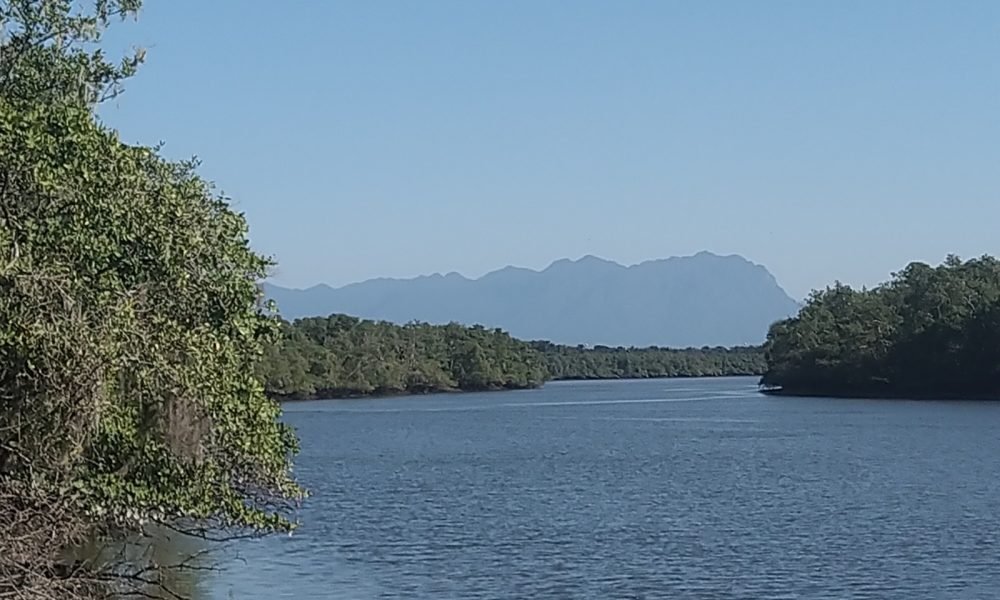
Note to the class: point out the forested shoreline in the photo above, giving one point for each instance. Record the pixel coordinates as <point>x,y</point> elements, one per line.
<point>929,332</point>
<point>342,356</point>
<point>604,362</point>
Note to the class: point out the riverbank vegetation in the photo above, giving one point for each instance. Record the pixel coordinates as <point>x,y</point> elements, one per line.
<point>129,328</point>
<point>928,332</point>
<point>341,356</point>
<point>603,362</point>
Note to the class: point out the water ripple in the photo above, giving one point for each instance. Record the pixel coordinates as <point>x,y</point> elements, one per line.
<point>637,490</point>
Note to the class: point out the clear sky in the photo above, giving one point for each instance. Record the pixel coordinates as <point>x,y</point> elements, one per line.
<point>825,140</point>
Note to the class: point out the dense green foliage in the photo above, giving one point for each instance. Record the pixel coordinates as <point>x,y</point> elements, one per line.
<point>130,320</point>
<point>930,331</point>
<point>128,327</point>
<point>341,356</point>
<point>602,362</point>
<point>344,356</point>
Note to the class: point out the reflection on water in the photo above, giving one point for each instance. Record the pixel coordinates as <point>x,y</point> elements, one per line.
<point>186,559</point>
<point>652,489</point>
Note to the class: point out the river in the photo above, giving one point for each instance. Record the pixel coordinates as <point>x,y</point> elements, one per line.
<point>687,488</point>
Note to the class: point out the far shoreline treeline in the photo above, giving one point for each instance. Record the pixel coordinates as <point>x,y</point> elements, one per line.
<point>346,357</point>
<point>930,332</point>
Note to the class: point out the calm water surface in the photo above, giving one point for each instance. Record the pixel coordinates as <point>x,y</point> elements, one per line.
<point>636,489</point>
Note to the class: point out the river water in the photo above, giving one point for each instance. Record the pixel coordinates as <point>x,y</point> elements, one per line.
<point>634,489</point>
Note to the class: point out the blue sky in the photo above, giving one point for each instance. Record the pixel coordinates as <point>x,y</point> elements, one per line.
<point>825,140</point>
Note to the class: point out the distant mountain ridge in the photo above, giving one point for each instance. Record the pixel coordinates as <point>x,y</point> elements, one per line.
<point>700,300</point>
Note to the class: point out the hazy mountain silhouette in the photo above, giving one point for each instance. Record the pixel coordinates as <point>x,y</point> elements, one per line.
<point>700,300</point>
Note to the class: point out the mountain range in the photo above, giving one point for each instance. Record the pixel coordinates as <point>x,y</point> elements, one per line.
<point>699,300</point>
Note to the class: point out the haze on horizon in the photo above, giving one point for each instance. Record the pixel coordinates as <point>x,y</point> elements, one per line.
<point>825,141</point>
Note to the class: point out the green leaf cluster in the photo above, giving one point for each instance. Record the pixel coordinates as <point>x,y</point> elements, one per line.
<point>51,51</point>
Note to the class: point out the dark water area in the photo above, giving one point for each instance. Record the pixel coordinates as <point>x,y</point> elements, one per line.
<point>635,489</point>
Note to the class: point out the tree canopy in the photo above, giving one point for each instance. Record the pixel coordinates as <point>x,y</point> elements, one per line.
<point>930,331</point>
<point>340,356</point>
<point>130,321</point>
